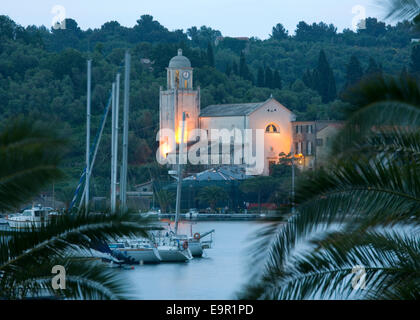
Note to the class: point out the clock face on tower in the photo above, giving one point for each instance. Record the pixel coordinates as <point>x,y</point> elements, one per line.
<point>186,75</point>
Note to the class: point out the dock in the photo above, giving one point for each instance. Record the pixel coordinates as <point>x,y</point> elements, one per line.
<point>216,216</point>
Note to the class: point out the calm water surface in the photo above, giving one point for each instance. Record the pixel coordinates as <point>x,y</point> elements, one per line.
<point>217,275</point>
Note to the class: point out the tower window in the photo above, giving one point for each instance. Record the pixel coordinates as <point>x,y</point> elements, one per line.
<point>177,78</point>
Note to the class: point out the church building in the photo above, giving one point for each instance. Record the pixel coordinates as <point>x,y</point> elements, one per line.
<point>271,116</point>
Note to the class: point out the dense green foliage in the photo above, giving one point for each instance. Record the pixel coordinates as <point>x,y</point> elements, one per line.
<point>43,75</point>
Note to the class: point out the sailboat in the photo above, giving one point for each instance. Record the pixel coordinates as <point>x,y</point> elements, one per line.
<point>196,243</point>
<point>135,250</point>
<point>172,248</point>
<point>192,245</point>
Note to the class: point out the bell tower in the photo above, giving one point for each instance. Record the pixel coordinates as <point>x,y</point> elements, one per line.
<point>179,97</point>
<point>179,73</point>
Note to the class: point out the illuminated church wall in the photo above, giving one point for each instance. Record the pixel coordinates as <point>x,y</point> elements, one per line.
<point>279,136</point>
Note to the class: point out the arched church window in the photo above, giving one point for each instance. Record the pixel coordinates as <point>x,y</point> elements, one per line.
<point>272,128</point>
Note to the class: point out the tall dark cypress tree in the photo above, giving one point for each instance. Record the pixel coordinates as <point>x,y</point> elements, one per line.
<point>260,77</point>
<point>228,69</point>
<point>268,78</point>
<point>243,69</point>
<point>354,72</point>
<point>324,80</point>
<point>308,79</point>
<point>373,69</point>
<point>242,65</point>
<point>404,73</point>
<point>235,68</point>
<point>277,80</point>
<point>210,55</point>
<point>415,61</point>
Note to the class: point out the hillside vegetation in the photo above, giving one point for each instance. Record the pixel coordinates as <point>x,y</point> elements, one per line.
<point>43,76</point>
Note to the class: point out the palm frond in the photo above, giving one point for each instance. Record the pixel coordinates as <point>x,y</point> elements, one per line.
<point>395,143</point>
<point>402,9</point>
<point>84,279</point>
<point>29,157</point>
<point>390,260</point>
<point>57,240</point>
<point>379,105</point>
<point>357,194</point>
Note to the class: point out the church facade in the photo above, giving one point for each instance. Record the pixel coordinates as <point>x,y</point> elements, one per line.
<point>270,117</point>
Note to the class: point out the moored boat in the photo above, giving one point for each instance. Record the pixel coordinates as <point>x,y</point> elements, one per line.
<point>173,254</point>
<point>34,217</point>
<point>138,250</point>
<point>196,243</point>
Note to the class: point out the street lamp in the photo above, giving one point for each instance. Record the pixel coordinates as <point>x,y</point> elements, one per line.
<point>300,158</point>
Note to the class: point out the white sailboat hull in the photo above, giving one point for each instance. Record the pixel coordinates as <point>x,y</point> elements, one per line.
<point>173,254</point>
<point>142,255</point>
<point>195,248</point>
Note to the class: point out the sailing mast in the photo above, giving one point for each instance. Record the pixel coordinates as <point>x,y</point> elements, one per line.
<point>87,185</point>
<point>123,175</point>
<point>179,186</point>
<point>113,191</point>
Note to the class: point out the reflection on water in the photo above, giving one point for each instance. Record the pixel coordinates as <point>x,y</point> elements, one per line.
<point>218,275</point>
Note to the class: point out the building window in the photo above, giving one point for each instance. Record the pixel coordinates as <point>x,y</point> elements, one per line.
<point>272,128</point>
<point>298,147</point>
<point>309,148</point>
<point>319,142</point>
<point>309,128</point>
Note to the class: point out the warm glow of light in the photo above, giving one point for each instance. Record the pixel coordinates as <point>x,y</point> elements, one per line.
<point>178,134</point>
<point>165,149</point>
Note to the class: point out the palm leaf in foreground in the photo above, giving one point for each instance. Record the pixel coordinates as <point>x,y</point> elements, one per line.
<point>27,257</point>
<point>348,204</point>
<point>29,157</point>
<point>363,210</point>
<point>402,9</point>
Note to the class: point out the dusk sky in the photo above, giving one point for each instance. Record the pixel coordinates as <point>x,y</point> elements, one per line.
<point>231,17</point>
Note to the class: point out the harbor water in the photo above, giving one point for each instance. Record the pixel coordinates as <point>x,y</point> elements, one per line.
<point>219,274</point>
